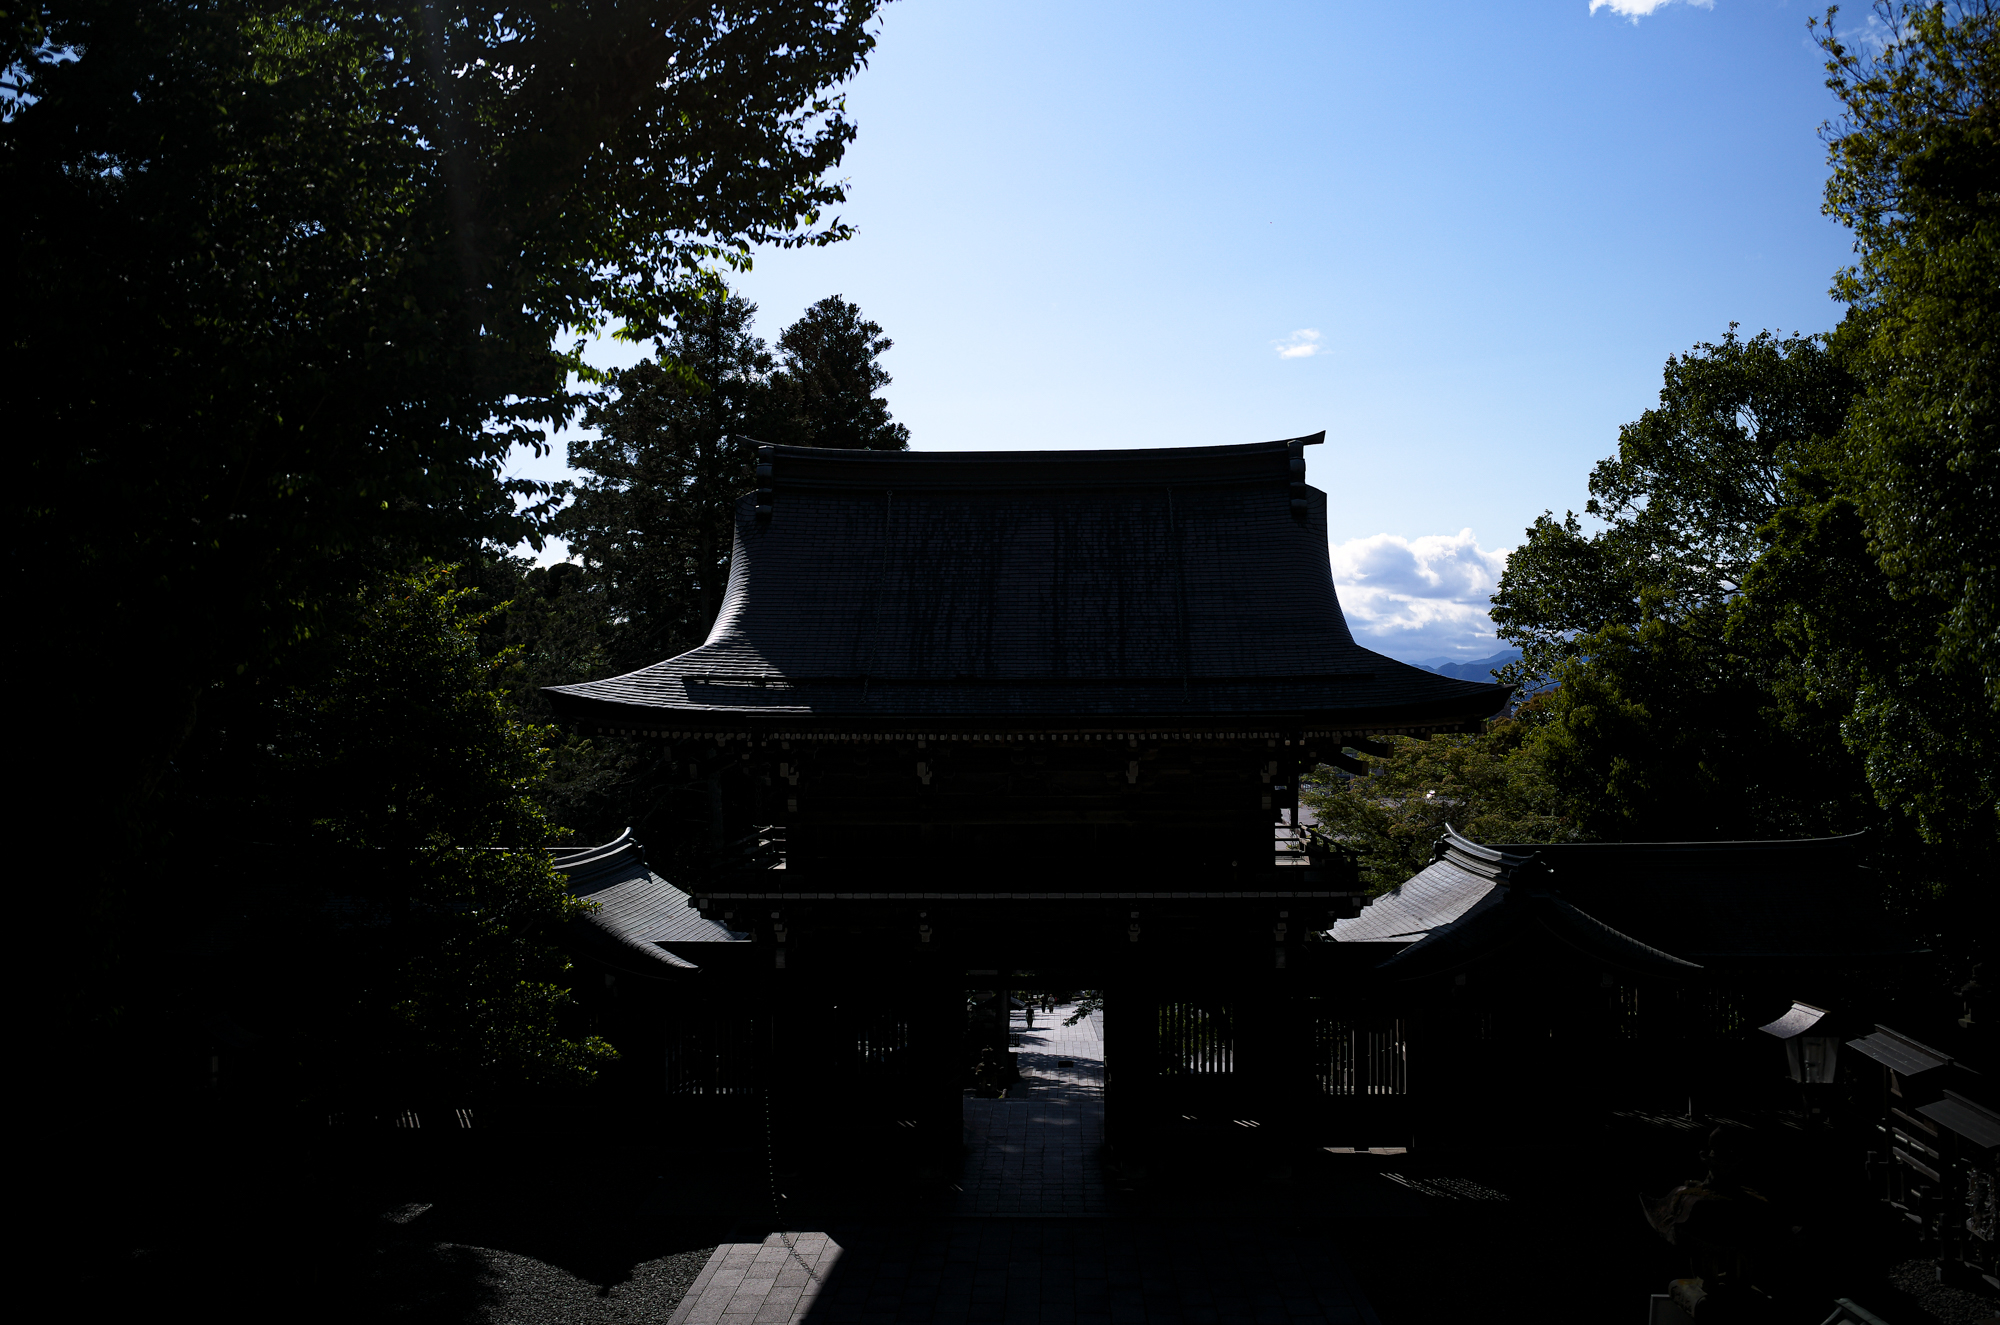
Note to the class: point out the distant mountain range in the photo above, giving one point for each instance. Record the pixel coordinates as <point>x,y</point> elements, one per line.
<point>1480,669</point>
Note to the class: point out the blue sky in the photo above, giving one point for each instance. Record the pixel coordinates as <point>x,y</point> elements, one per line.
<point>1460,237</point>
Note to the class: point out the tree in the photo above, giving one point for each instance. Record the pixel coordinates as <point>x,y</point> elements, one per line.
<point>827,379</point>
<point>653,525</point>
<point>1488,786</point>
<point>1884,573</point>
<point>291,277</point>
<point>1669,721</point>
<point>654,518</point>
<point>1682,504</point>
<point>403,921</point>
<point>1822,659</point>
<point>556,620</point>
<point>289,280</point>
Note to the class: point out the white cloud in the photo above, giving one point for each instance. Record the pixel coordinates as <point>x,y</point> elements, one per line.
<point>1301,344</point>
<point>1638,9</point>
<point>1419,598</point>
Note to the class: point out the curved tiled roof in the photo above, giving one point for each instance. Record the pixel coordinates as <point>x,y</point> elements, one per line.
<point>1661,908</point>
<point>1462,875</point>
<point>1506,915</point>
<point>637,910</point>
<point>1177,583</point>
<point>1710,901</point>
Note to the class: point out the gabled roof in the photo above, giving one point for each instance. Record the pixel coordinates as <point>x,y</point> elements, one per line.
<point>1457,880</point>
<point>1895,1050</point>
<point>1653,908</point>
<point>1179,583</point>
<point>1967,1117</point>
<point>637,911</point>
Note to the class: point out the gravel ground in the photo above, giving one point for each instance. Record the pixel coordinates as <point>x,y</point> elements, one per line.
<point>557,1254</point>
<point>506,1243</point>
<point>1952,1306</point>
<point>525,1291</point>
<point>404,1279</point>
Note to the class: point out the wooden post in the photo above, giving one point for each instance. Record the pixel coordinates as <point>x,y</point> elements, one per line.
<point>1003,1018</point>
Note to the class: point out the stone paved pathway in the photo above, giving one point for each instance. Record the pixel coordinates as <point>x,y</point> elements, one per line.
<point>1035,1152</point>
<point>1031,1241</point>
<point>1022,1271</point>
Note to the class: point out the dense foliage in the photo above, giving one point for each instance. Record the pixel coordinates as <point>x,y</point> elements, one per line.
<point>289,281</point>
<point>829,369</point>
<point>1884,573</point>
<point>1486,785</point>
<point>406,779</point>
<point>1667,722</point>
<point>652,531</point>
<point>291,277</point>
<point>654,518</point>
<point>1681,505</point>
<point>1779,614</point>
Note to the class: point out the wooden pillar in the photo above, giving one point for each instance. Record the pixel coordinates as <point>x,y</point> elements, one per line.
<point>1003,1018</point>
<point>794,1047</point>
<point>1288,1045</point>
<point>936,1070</point>
<point>1132,1083</point>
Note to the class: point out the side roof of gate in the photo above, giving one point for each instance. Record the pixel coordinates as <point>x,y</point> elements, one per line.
<point>637,917</point>
<point>1648,906</point>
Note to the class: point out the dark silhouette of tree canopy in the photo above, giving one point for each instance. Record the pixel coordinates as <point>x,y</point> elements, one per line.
<point>291,278</point>
<point>828,374</point>
<point>407,780</point>
<point>654,518</point>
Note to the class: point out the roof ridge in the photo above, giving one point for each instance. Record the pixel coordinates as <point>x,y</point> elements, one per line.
<point>1028,456</point>
<point>1278,462</point>
<point>1697,844</point>
<point>590,864</point>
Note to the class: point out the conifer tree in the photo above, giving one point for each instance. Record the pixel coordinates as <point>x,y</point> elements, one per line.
<point>653,522</point>
<point>827,379</point>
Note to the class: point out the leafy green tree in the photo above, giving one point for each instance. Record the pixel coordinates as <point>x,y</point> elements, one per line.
<point>827,378</point>
<point>1681,505</point>
<point>386,890</point>
<point>1488,786</point>
<point>291,277</point>
<point>1668,722</point>
<point>1822,658</point>
<point>1884,574</point>
<point>556,620</point>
